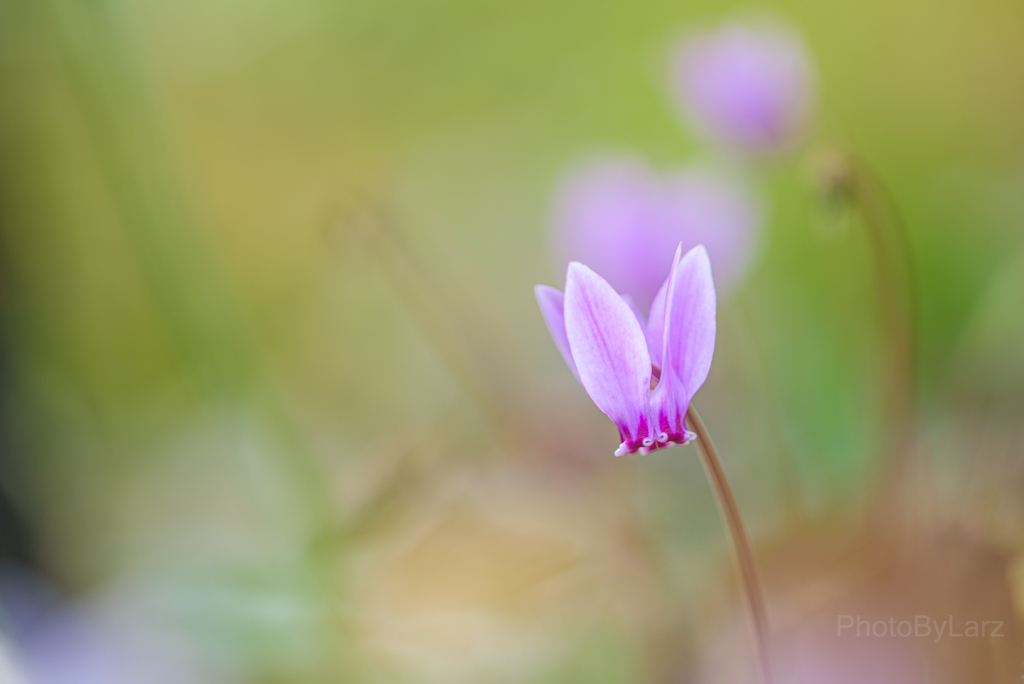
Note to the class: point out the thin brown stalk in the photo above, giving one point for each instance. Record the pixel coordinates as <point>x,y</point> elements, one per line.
<point>744,556</point>
<point>896,283</point>
<point>898,306</point>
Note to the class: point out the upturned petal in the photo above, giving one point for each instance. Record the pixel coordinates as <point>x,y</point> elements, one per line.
<point>687,324</point>
<point>552,308</point>
<point>611,355</point>
<point>656,320</point>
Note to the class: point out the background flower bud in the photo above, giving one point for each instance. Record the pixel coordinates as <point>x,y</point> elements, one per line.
<point>624,220</point>
<point>747,87</point>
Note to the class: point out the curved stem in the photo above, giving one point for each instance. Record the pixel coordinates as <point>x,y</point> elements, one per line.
<point>744,556</point>
<point>895,273</point>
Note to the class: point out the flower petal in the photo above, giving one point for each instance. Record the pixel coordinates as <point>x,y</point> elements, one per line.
<point>631,303</point>
<point>656,321</point>
<point>552,308</point>
<point>611,354</point>
<point>688,320</point>
<point>690,323</point>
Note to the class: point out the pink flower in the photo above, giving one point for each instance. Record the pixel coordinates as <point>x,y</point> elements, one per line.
<point>615,355</point>
<point>747,87</point>
<point>624,220</point>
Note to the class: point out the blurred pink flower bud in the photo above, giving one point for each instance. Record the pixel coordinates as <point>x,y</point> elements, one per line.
<point>748,87</point>
<point>625,221</point>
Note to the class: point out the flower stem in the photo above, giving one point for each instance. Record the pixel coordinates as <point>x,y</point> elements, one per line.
<point>851,181</point>
<point>898,304</point>
<point>744,556</point>
<point>895,273</point>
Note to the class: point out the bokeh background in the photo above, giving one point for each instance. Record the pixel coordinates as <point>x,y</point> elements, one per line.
<point>278,404</point>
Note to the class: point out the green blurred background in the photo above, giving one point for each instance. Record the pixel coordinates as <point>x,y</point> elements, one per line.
<point>276,392</point>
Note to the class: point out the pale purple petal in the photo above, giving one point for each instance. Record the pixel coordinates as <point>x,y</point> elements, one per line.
<point>631,303</point>
<point>551,303</point>
<point>611,355</point>
<point>749,87</point>
<point>688,341</point>
<point>691,320</point>
<point>656,322</point>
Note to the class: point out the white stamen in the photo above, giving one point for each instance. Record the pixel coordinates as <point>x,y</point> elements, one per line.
<point>662,436</point>
<point>648,441</point>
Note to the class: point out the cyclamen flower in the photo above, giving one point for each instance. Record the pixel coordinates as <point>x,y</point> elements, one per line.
<point>615,355</point>
<point>624,220</point>
<point>748,87</point>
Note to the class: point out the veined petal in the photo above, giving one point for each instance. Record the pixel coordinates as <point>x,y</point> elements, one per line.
<point>656,321</point>
<point>631,303</point>
<point>611,354</point>
<point>552,308</point>
<point>688,337</point>
<point>690,323</point>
